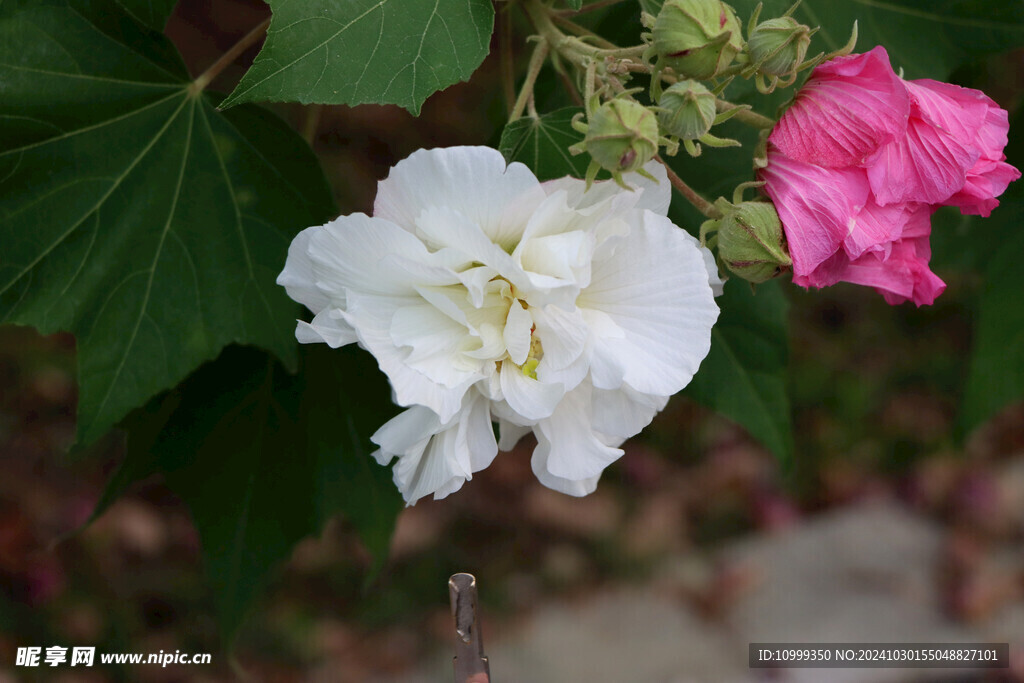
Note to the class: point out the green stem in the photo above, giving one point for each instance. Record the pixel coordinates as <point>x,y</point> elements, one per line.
<point>540,53</point>
<point>691,195</point>
<point>751,118</point>
<point>578,30</point>
<point>205,78</point>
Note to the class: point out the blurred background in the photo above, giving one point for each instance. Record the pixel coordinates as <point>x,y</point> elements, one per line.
<point>887,527</point>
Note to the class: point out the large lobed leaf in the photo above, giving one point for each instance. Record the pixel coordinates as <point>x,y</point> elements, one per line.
<point>132,213</point>
<point>543,144</point>
<point>152,13</point>
<point>264,458</point>
<point>367,51</point>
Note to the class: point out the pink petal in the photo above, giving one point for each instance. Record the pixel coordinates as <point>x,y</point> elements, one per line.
<point>903,276</point>
<point>848,108</point>
<point>927,165</point>
<point>986,181</point>
<point>817,206</point>
<point>875,227</point>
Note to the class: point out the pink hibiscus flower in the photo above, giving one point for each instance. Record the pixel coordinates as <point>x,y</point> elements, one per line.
<point>861,160</point>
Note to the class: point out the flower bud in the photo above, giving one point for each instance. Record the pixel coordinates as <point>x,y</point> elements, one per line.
<point>688,110</point>
<point>778,46</point>
<point>697,38</point>
<point>622,136</point>
<point>751,241</point>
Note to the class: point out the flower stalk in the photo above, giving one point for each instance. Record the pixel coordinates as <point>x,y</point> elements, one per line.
<point>247,41</point>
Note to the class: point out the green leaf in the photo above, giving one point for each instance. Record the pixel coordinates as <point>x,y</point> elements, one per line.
<point>367,51</point>
<point>927,39</point>
<point>152,13</point>
<point>263,458</point>
<point>132,213</point>
<point>744,375</point>
<point>543,144</point>
<point>996,375</point>
<point>574,4</point>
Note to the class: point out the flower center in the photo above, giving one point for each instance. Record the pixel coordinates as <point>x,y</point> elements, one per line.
<point>529,367</point>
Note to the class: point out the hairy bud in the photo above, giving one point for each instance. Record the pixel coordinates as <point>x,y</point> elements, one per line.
<point>696,38</point>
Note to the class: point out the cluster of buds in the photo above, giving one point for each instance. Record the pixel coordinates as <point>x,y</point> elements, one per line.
<point>702,40</point>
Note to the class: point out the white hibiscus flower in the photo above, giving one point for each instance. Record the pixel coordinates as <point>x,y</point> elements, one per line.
<point>488,296</point>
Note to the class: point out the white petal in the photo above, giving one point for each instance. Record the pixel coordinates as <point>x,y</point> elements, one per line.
<point>529,398</point>
<point>435,342</point>
<point>479,434</point>
<point>371,317</point>
<point>435,458</point>
<point>298,278</point>
<point>449,229</point>
<point>653,196</point>
<point>407,432</point>
<point>565,257</point>
<point>571,487</point>
<point>510,434</point>
<point>714,279</point>
<point>370,255</point>
<point>473,181</point>
<point>622,413</point>
<point>562,334</point>
<point>517,333</point>
<point>327,326</point>
<point>654,287</point>
<point>567,441</point>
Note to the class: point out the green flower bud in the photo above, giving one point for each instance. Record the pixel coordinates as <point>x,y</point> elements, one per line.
<point>751,242</point>
<point>622,136</point>
<point>697,38</point>
<point>688,110</point>
<point>778,46</point>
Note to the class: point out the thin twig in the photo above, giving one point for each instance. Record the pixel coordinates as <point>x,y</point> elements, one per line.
<point>228,57</point>
<point>751,118</point>
<point>691,195</point>
<point>584,32</point>
<point>532,71</point>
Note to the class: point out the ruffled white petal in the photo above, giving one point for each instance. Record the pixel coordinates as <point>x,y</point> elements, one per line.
<point>528,397</point>
<point>647,194</point>
<point>298,278</point>
<point>623,413</point>
<point>655,288</point>
<point>434,458</point>
<point>518,332</point>
<point>570,447</point>
<point>473,181</point>
<point>570,487</point>
<point>328,326</point>
<point>371,317</point>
